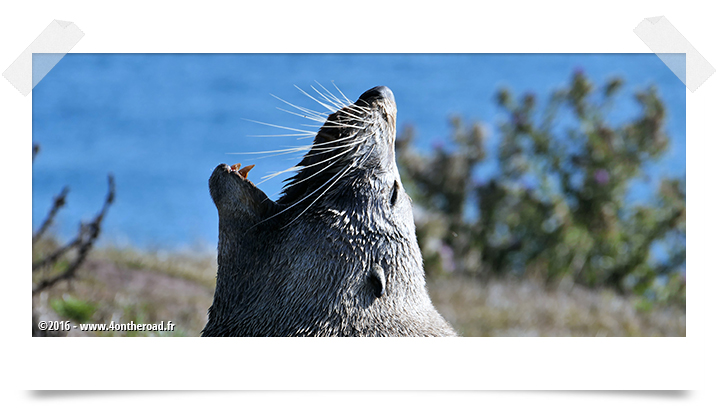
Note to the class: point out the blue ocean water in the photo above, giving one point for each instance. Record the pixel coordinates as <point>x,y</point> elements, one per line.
<point>162,122</point>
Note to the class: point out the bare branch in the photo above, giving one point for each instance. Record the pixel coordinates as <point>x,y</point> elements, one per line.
<point>84,242</point>
<point>59,202</point>
<point>50,259</point>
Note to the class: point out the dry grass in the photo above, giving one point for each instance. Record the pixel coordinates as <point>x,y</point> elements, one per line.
<point>518,309</point>
<point>198,267</point>
<point>126,285</point>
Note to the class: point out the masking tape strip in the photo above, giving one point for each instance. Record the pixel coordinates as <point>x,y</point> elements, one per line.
<point>42,55</point>
<point>669,45</point>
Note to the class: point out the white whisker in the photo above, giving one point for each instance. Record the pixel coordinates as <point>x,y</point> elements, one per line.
<point>348,146</point>
<point>319,119</point>
<point>307,111</point>
<point>299,201</point>
<point>339,124</point>
<point>290,150</point>
<point>335,102</point>
<point>341,139</point>
<point>279,153</point>
<point>330,186</point>
<point>276,155</point>
<point>326,106</point>
<point>335,98</point>
<point>299,136</point>
<point>336,157</point>
<point>348,101</point>
<point>304,112</point>
<point>266,177</point>
<point>281,127</point>
<point>274,174</point>
<point>353,117</point>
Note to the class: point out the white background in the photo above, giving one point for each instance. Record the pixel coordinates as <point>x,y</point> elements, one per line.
<point>688,363</point>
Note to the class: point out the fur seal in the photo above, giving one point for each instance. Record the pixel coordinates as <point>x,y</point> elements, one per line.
<point>337,254</point>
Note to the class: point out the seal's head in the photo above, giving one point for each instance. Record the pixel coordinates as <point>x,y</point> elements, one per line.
<point>337,253</point>
<point>356,145</point>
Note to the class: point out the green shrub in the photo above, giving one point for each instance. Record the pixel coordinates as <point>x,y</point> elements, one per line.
<point>72,308</point>
<point>557,208</point>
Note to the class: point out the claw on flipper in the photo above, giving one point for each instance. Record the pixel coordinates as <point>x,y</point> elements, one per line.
<point>244,171</point>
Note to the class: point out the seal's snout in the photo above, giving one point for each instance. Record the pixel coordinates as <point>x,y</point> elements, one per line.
<point>378,93</point>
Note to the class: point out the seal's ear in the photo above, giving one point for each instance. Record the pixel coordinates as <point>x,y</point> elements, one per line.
<point>376,278</point>
<point>394,194</point>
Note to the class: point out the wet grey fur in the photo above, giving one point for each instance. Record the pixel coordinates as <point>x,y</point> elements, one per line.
<point>336,255</point>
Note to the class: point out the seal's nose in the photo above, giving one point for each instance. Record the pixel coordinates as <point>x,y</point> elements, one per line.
<point>377,93</point>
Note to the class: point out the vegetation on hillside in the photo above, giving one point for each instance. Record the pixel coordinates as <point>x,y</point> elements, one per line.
<point>557,209</point>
